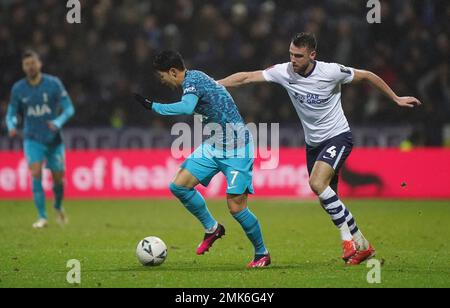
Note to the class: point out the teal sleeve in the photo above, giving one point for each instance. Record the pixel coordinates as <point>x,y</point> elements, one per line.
<point>185,107</point>
<point>11,113</point>
<point>68,112</point>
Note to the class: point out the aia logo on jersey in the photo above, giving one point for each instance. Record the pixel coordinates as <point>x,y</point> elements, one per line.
<point>38,110</point>
<point>190,90</point>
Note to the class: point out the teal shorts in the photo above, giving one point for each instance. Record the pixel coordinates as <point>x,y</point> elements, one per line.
<point>53,155</point>
<point>205,162</point>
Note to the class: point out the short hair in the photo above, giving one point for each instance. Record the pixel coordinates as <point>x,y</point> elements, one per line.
<point>305,39</point>
<point>30,54</point>
<point>168,59</point>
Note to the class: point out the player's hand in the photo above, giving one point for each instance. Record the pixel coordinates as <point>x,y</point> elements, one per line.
<point>52,127</point>
<point>408,101</point>
<point>13,133</point>
<point>146,103</point>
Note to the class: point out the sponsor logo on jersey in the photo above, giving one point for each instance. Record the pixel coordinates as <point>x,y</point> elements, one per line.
<point>38,110</point>
<point>189,90</point>
<point>309,99</point>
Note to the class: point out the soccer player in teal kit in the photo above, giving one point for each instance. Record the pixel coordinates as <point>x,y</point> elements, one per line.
<point>229,150</point>
<point>45,107</point>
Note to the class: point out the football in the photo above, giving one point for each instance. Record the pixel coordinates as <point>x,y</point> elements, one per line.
<point>151,251</point>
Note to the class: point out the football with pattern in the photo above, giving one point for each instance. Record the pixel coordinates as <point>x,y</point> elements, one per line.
<point>151,251</point>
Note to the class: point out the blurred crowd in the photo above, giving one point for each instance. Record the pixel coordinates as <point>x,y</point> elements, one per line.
<point>109,55</point>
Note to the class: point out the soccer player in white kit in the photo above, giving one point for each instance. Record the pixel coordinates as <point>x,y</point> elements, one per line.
<point>315,90</point>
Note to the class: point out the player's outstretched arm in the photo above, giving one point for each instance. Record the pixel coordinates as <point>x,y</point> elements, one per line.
<point>377,82</point>
<point>185,107</point>
<point>243,78</point>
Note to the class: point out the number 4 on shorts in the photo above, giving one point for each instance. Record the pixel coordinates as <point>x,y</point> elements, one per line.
<point>332,152</point>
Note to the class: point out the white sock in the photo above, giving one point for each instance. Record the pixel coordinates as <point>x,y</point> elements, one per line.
<point>336,209</point>
<point>361,242</point>
<point>346,235</point>
<point>213,229</point>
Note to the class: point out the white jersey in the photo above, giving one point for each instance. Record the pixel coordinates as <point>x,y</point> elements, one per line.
<point>316,97</point>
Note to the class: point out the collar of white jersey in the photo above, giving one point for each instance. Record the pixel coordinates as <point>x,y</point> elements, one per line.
<point>307,75</point>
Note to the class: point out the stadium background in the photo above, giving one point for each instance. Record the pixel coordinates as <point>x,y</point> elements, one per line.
<point>108,56</point>
<point>119,153</point>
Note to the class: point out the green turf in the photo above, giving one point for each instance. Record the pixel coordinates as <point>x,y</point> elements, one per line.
<point>412,237</point>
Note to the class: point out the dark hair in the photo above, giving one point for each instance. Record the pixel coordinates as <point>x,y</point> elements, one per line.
<point>30,54</point>
<point>304,39</point>
<point>168,59</point>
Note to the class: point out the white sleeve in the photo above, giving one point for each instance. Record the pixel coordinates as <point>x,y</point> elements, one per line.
<point>274,73</point>
<point>342,74</point>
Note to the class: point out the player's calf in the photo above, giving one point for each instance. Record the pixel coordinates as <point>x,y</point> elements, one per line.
<point>196,205</point>
<point>39,198</point>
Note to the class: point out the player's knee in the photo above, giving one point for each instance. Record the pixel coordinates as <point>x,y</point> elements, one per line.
<point>182,193</point>
<point>236,203</point>
<point>36,173</point>
<point>58,179</point>
<point>58,183</point>
<point>236,208</point>
<point>317,186</point>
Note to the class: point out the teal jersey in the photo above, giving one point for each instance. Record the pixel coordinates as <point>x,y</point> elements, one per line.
<point>204,96</point>
<point>46,102</point>
<point>215,103</point>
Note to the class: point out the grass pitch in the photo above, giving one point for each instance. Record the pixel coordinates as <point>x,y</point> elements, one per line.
<point>411,238</point>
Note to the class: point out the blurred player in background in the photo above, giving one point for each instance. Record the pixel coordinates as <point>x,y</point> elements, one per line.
<point>228,151</point>
<point>315,90</point>
<point>45,107</point>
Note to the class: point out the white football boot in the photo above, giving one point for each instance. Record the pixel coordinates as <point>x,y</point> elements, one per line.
<point>40,224</point>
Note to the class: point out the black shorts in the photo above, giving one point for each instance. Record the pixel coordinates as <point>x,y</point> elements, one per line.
<point>334,152</point>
